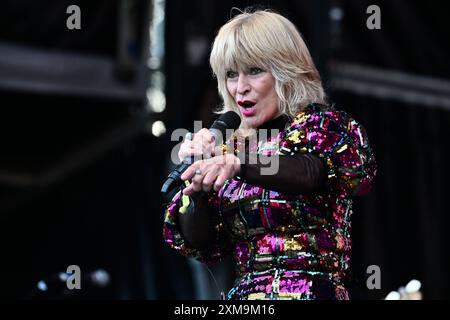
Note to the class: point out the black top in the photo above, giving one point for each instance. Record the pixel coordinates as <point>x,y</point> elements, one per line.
<point>278,123</point>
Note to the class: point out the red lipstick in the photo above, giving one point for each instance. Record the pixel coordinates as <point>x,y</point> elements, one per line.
<point>248,108</point>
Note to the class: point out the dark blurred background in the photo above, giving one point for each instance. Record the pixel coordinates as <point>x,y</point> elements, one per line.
<point>86,118</point>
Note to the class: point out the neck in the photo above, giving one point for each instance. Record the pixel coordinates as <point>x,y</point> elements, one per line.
<point>278,122</point>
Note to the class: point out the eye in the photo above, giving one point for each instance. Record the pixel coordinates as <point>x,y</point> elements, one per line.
<point>255,70</point>
<point>231,74</point>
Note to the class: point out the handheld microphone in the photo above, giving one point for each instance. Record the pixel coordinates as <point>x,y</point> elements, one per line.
<point>228,120</point>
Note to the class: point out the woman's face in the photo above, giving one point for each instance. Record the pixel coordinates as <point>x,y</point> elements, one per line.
<point>253,89</point>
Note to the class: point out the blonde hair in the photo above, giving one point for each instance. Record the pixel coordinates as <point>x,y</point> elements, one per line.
<point>271,42</point>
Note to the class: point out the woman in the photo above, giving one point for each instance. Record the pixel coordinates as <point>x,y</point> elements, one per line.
<point>289,230</point>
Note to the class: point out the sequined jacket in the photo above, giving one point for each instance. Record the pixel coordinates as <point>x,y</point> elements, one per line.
<point>289,246</point>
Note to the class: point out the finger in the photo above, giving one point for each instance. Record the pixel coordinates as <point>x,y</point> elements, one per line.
<point>182,152</point>
<point>186,147</point>
<point>208,180</point>
<point>188,190</point>
<point>205,145</point>
<point>208,149</point>
<point>186,154</point>
<point>190,171</point>
<point>205,138</point>
<point>194,146</point>
<point>218,150</point>
<point>196,183</point>
<point>218,184</point>
<point>205,135</point>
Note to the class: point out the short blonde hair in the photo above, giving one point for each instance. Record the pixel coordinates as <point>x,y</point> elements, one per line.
<point>267,40</point>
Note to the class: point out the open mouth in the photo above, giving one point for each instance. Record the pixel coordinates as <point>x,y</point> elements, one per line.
<point>246,103</point>
<point>247,107</point>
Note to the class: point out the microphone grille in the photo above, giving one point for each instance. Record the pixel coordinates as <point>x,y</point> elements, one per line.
<point>228,120</point>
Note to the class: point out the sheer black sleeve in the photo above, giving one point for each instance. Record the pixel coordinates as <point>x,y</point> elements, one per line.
<point>296,174</point>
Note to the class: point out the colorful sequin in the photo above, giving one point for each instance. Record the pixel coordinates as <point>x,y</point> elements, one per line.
<point>290,247</point>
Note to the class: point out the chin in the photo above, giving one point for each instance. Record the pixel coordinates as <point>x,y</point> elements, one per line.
<point>251,124</point>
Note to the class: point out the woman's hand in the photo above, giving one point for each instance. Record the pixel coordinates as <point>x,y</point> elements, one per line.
<point>202,144</point>
<point>211,173</point>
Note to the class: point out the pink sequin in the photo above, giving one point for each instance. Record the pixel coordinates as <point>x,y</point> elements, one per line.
<point>291,246</point>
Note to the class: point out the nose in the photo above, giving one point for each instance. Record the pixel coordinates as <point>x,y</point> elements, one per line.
<point>243,86</point>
